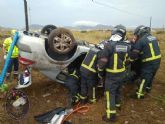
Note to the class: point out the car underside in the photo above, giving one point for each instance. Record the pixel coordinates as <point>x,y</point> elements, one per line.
<point>51,53</point>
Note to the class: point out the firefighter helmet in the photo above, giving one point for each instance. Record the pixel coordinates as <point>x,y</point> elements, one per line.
<point>120,30</point>
<point>141,30</point>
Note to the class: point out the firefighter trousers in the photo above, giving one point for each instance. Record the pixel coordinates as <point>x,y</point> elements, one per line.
<point>113,94</point>
<point>13,62</point>
<point>148,72</point>
<point>72,84</point>
<point>88,88</point>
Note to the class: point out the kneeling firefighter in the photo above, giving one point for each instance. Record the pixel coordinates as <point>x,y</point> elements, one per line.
<point>73,81</point>
<point>112,60</point>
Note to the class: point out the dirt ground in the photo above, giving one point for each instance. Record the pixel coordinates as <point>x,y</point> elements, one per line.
<point>151,110</point>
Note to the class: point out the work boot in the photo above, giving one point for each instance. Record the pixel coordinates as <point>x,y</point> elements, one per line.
<point>118,107</point>
<point>75,100</point>
<point>83,99</point>
<point>8,77</point>
<point>111,119</point>
<point>148,89</point>
<point>92,101</point>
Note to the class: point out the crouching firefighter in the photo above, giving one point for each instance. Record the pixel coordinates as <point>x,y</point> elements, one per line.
<point>89,76</point>
<point>146,49</point>
<point>73,81</point>
<point>113,61</point>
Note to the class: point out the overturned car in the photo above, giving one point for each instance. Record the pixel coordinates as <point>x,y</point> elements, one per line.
<point>51,52</point>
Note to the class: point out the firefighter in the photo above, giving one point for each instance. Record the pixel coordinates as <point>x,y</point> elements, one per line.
<point>73,81</point>
<point>112,60</point>
<point>14,58</point>
<point>147,50</point>
<point>89,76</point>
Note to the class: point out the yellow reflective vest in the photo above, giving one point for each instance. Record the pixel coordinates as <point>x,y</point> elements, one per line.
<point>6,46</point>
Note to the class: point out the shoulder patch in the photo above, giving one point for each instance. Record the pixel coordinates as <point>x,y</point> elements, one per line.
<point>151,38</point>
<point>121,48</point>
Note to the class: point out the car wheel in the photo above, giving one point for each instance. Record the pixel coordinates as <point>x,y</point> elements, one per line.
<point>47,29</point>
<point>61,41</point>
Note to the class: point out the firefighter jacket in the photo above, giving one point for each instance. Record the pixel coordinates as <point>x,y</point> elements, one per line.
<point>74,67</point>
<point>88,66</point>
<point>148,47</point>
<point>116,54</point>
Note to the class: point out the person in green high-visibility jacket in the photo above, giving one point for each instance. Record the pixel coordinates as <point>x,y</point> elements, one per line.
<point>14,58</point>
<point>146,49</point>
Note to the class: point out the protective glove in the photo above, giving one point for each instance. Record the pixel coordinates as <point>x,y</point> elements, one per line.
<point>101,82</point>
<point>4,57</point>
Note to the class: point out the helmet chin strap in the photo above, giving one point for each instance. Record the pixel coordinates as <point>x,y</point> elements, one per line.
<point>115,37</point>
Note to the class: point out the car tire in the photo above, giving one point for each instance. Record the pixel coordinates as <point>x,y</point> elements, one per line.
<point>46,30</point>
<point>61,41</point>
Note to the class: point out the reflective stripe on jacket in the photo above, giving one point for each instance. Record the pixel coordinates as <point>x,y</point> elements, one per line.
<point>89,62</point>
<point>117,59</point>
<point>75,74</point>
<point>148,47</point>
<point>154,51</point>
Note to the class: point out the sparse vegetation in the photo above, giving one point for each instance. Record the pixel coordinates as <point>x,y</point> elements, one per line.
<point>148,111</point>
<point>92,36</point>
<point>160,32</point>
<point>4,34</point>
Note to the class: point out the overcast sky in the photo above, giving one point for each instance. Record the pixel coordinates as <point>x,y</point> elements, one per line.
<point>75,12</point>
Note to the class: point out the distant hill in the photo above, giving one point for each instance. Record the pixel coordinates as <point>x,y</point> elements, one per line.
<point>103,27</point>
<point>4,28</point>
<point>80,27</point>
<point>36,26</point>
<point>97,27</point>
